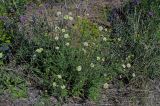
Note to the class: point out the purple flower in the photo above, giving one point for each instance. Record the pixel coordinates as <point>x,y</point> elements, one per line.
<point>30,6</point>
<point>23,19</point>
<point>150,13</point>
<point>3,18</point>
<point>40,10</point>
<point>46,5</point>
<point>135,2</point>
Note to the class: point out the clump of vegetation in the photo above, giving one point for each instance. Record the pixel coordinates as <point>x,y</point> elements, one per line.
<point>9,82</point>
<point>12,84</point>
<point>72,56</point>
<point>136,46</point>
<point>67,61</point>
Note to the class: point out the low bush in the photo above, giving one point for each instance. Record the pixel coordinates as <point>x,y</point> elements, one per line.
<point>71,56</point>
<point>67,60</point>
<point>9,82</point>
<point>136,46</point>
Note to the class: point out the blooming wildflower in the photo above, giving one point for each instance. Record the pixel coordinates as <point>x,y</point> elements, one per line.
<point>46,5</point>
<point>70,18</point>
<point>56,38</point>
<point>57,48</point>
<point>59,13</point>
<point>85,44</point>
<point>40,10</point>
<point>2,18</point>
<point>39,50</point>
<point>98,58</point>
<point>124,66</point>
<point>66,17</point>
<point>104,39</point>
<point>63,87</point>
<point>133,74</point>
<point>92,65</point>
<point>66,36</point>
<point>63,30</point>
<point>103,59</point>
<point>100,28</point>
<point>119,39</point>
<point>34,56</point>
<point>87,14</point>
<point>106,29</point>
<point>67,44</point>
<point>120,76</point>
<point>150,13</point>
<point>70,13</point>
<point>30,6</point>
<point>136,2</point>
<point>105,75</point>
<point>59,76</point>
<point>128,65</point>
<point>79,68</point>
<point>23,19</point>
<point>54,84</point>
<point>106,86</point>
<point>57,28</point>
<point>1,55</point>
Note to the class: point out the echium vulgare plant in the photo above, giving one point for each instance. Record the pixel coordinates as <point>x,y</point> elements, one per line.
<point>9,9</point>
<point>66,58</point>
<point>136,47</point>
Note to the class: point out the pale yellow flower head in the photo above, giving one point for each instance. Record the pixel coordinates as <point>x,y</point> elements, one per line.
<point>106,86</point>
<point>67,44</point>
<point>124,66</point>
<point>92,65</point>
<point>39,50</point>
<point>106,29</point>
<point>70,18</point>
<point>63,30</point>
<point>66,17</point>
<point>57,48</point>
<point>59,76</point>
<point>100,28</point>
<point>54,84</point>
<point>66,36</point>
<point>104,39</point>
<point>79,68</point>
<point>1,55</point>
<point>86,44</point>
<point>98,58</point>
<point>70,13</point>
<point>63,87</point>
<point>59,13</point>
<point>103,59</point>
<point>56,38</point>
<point>134,75</point>
<point>128,65</point>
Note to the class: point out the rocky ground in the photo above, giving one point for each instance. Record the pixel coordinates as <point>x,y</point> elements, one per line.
<point>113,96</point>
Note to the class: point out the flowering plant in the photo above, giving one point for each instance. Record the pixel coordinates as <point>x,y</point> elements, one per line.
<point>67,61</point>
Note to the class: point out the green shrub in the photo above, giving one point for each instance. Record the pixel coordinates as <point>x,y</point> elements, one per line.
<point>66,61</point>
<point>135,45</point>
<point>8,11</point>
